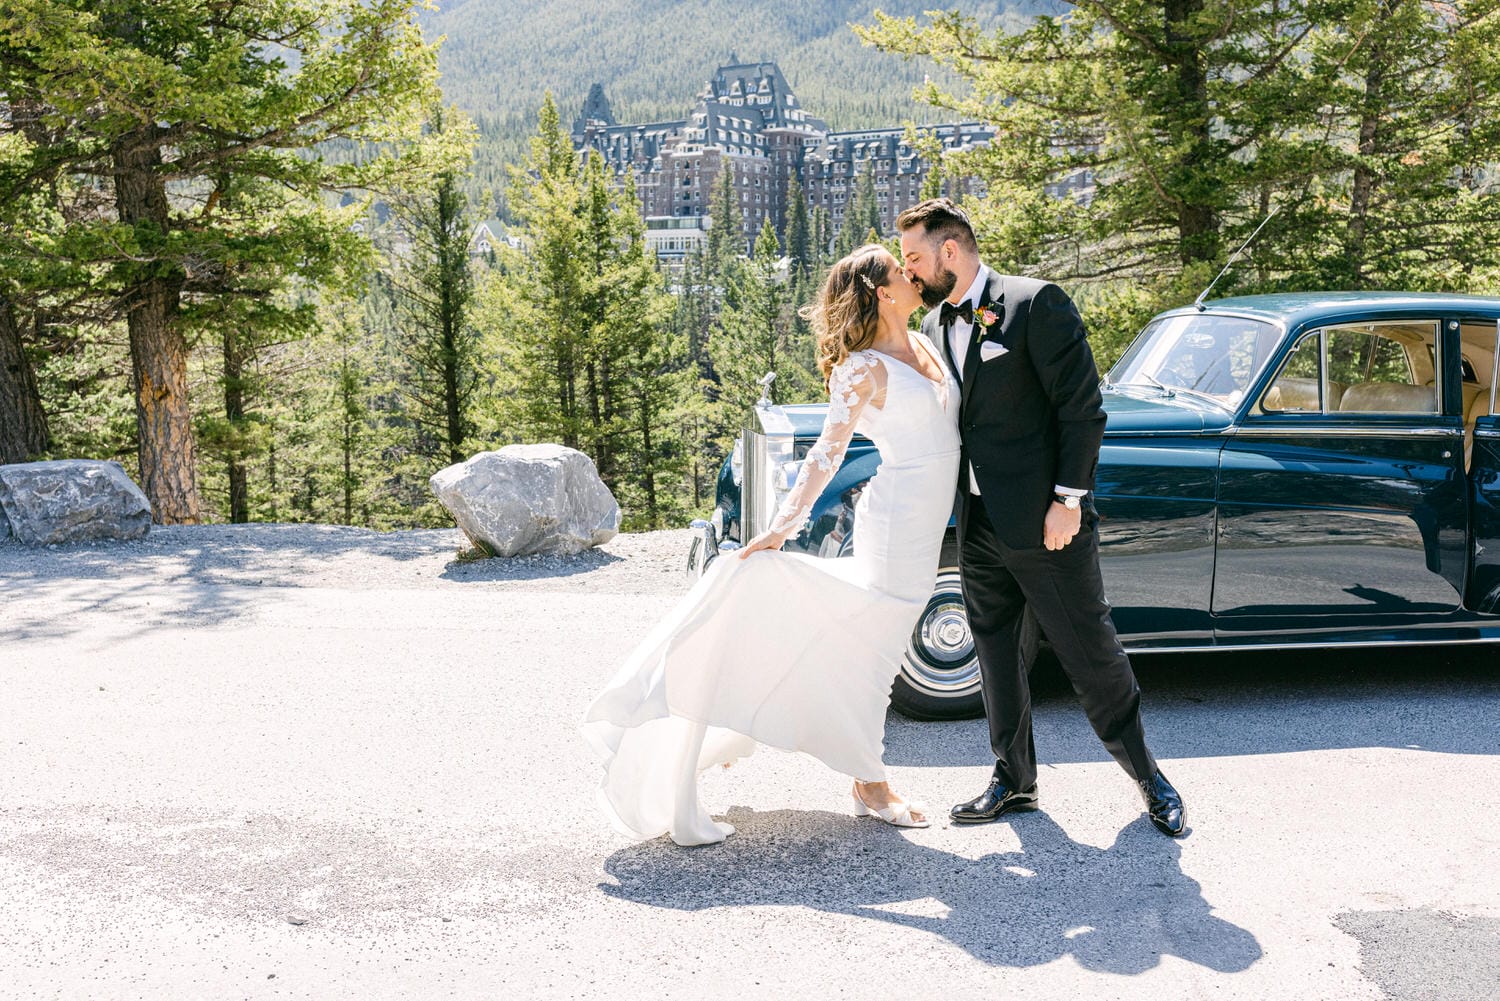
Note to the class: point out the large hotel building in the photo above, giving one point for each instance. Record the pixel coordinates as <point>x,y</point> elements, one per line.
<point>748,121</point>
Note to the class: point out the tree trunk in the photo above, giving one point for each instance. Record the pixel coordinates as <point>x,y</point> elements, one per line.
<point>23,423</point>
<point>271,470</point>
<point>158,351</point>
<point>1362,191</point>
<point>1197,222</point>
<point>451,390</point>
<point>348,446</point>
<point>648,456</point>
<point>234,411</point>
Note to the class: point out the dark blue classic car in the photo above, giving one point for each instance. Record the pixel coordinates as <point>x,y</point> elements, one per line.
<point>1317,469</point>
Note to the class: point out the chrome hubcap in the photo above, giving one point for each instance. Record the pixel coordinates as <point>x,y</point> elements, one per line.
<point>940,658</point>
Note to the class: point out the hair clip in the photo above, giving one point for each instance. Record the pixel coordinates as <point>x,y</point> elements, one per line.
<point>868,284</point>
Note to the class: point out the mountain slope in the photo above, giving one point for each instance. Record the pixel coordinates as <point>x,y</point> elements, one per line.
<point>653,56</point>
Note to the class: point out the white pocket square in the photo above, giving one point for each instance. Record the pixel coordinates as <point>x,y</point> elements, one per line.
<point>989,350</point>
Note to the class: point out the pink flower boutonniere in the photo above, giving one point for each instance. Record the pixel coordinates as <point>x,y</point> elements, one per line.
<point>985,318</point>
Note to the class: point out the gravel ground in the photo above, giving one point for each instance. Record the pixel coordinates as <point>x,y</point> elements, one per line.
<point>312,762</point>
<point>351,559</point>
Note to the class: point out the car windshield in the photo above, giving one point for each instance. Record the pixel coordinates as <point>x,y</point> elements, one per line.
<point>1215,357</point>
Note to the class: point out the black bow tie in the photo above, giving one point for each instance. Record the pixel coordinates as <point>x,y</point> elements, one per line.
<point>951,312</point>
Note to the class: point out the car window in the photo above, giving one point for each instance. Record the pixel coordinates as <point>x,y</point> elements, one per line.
<point>1356,356</point>
<point>1218,357</point>
<point>1297,388</point>
<point>1374,368</point>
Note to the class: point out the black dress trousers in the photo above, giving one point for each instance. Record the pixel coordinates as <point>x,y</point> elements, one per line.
<point>1066,594</point>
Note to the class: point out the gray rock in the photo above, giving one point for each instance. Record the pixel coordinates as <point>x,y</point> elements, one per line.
<point>527,499</point>
<point>72,500</point>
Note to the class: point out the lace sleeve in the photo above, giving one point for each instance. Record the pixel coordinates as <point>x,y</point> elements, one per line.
<point>851,386</point>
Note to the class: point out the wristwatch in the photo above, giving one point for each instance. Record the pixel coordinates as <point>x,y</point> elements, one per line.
<point>1069,501</point>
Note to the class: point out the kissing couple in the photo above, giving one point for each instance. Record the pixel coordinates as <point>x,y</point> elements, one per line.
<point>996,399</point>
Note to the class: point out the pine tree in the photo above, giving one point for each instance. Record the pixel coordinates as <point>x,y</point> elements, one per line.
<point>528,304</point>
<point>23,422</point>
<point>162,106</point>
<point>862,216</point>
<point>1140,143</point>
<point>1417,87</point>
<point>434,291</point>
<point>822,228</point>
<point>758,336</point>
<point>726,227</point>
<point>798,229</point>
<point>582,321</point>
<point>657,378</point>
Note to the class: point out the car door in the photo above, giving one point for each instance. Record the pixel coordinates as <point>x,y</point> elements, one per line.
<point>1483,420</point>
<point>1341,494</point>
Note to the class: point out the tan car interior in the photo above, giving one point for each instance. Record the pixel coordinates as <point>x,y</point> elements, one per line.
<point>1416,396</point>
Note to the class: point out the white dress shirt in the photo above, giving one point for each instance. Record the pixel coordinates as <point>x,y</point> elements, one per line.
<point>959,336</point>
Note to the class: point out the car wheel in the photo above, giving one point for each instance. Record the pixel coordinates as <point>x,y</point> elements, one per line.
<point>939,676</point>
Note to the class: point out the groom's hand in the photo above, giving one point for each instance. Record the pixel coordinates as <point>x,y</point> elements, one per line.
<point>1060,526</point>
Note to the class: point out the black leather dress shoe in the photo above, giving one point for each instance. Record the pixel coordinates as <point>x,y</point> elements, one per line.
<point>1164,805</point>
<point>996,799</point>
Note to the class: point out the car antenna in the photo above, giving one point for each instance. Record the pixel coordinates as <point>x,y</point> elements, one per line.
<point>1198,302</point>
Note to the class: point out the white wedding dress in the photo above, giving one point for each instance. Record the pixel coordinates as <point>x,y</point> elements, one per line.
<point>786,649</point>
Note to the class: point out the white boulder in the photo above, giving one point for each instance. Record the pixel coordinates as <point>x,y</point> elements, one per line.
<point>72,500</point>
<point>526,499</point>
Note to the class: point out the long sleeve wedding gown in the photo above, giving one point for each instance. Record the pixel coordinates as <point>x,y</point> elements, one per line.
<point>786,649</point>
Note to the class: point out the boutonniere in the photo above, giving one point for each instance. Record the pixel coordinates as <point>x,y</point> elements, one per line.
<point>985,317</point>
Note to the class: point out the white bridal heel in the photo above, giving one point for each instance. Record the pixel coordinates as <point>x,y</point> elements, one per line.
<point>891,815</point>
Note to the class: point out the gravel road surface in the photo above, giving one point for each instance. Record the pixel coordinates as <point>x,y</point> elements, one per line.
<point>314,762</point>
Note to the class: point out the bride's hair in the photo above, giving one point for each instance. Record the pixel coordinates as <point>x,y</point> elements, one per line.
<point>845,317</point>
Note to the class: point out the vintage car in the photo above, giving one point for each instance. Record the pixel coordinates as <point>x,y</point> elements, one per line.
<point>1312,469</point>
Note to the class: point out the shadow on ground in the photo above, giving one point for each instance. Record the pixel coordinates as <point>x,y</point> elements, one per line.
<point>1119,909</point>
<point>179,574</point>
<point>1432,698</point>
<point>528,567</point>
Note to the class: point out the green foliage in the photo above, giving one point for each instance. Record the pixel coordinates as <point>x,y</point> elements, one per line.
<point>726,227</point>
<point>759,336</point>
<point>1139,145</point>
<point>862,220</point>
<point>164,155</point>
<point>434,288</point>
<point>580,325</point>
<point>798,229</point>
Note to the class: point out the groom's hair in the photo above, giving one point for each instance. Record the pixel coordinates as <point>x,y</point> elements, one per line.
<point>941,220</point>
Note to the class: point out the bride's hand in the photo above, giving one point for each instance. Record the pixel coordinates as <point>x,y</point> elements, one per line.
<point>765,540</point>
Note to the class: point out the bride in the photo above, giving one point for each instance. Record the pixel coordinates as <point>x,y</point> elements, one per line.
<point>785,649</point>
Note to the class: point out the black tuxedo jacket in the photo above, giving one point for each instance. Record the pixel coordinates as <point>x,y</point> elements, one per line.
<point>1031,418</point>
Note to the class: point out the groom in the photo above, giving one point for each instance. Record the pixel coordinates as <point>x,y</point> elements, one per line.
<point>1031,424</point>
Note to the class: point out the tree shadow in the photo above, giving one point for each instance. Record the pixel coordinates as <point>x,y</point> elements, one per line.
<point>186,573</point>
<point>182,573</point>
<point>1119,909</point>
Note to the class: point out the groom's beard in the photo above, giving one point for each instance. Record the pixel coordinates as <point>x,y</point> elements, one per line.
<point>939,289</point>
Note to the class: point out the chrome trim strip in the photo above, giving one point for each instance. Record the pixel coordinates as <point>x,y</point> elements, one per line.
<point>1199,433</point>
<point>1335,430</point>
<point>1313,644</point>
<point>1495,368</point>
<point>1323,406</point>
